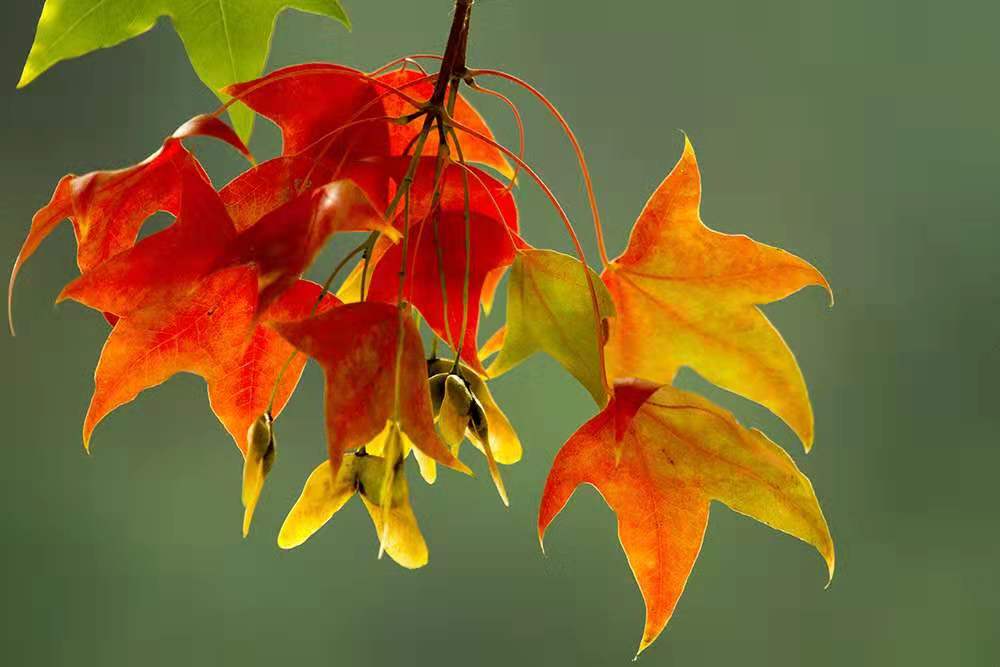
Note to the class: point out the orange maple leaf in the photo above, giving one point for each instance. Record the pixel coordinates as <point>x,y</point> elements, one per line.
<point>687,296</point>
<point>209,330</point>
<point>108,208</point>
<point>171,260</point>
<point>659,456</point>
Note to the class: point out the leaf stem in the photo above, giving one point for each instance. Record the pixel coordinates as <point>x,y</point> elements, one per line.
<point>517,119</point>
<point>453,61</point>
<point>591,197</point>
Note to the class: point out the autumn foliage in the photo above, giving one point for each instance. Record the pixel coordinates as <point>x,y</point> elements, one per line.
<point>402,160</point>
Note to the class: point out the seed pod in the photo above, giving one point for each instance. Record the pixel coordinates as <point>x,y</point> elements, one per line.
<point>256,464</point>
<point>504,440</point>
<point>372,474</point>
<point>453,417</point>
<point>479,433</point>
<point>436,386</point>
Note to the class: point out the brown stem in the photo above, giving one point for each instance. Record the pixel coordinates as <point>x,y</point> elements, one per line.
<point>453,63</point>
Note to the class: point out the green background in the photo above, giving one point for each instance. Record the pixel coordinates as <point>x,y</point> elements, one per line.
<point>860,135</point>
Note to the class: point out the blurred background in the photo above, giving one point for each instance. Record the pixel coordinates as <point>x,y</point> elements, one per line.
<point>862,136</point>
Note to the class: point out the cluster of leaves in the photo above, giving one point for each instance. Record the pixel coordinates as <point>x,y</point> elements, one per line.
<point>400,156</point>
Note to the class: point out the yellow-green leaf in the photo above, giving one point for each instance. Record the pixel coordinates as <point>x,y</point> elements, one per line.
<point>227,41</point>
<point>549,309</point>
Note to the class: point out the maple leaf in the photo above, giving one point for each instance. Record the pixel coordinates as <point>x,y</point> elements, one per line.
<point>436,262</point>
<point>266,187</point>
<point>170,260</point>
<point>108,208</point>
<point>549,309</point>
<point>373,359</point>
<point>659,456</point>
<point>226,41</point>
<point>687,296</point>
<point>326,108</point>
<point>487,197</point>
<point>436,259</point>
<point>207,329</point>
<point>326,491</point>
<point>284,243</point>
<point>314,103</point>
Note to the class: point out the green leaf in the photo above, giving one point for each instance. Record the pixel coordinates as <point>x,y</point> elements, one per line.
<point>549,309</point>
<point>226,40</point>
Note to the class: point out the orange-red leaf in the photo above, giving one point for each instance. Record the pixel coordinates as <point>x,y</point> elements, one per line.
<point>311,103</point>
<point>208,330</point>
<point>488,197</point>
<point>437,254</point>
<point>259,191</point>
<point>687,296</point>
<point>107,208</point>
<point>334,109</point>
<point>359,348</point>
<point>172,259</point>
<point>659,456</point>
<point>239,387</point>
<point>284,243</point>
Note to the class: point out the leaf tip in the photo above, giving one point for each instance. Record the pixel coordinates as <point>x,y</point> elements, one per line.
<point>821,281</point>
<point>290,536</point>
<point>248,517</point>
<point>688,148</point>
<point>88,430</point>
<point>831,566</point>
<point>27,76</point>
<point>10,292</point>
<point>458,465</point>
<point>825,284</point>
<point>804,426</point>
<point>64,294</point>
<point>10,319</point>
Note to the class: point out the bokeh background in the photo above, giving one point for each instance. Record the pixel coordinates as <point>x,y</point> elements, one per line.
<point>860,135</point>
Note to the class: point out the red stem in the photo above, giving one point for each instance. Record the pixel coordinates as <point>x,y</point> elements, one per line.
<point>517,119</point>
<point>591,198</point>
